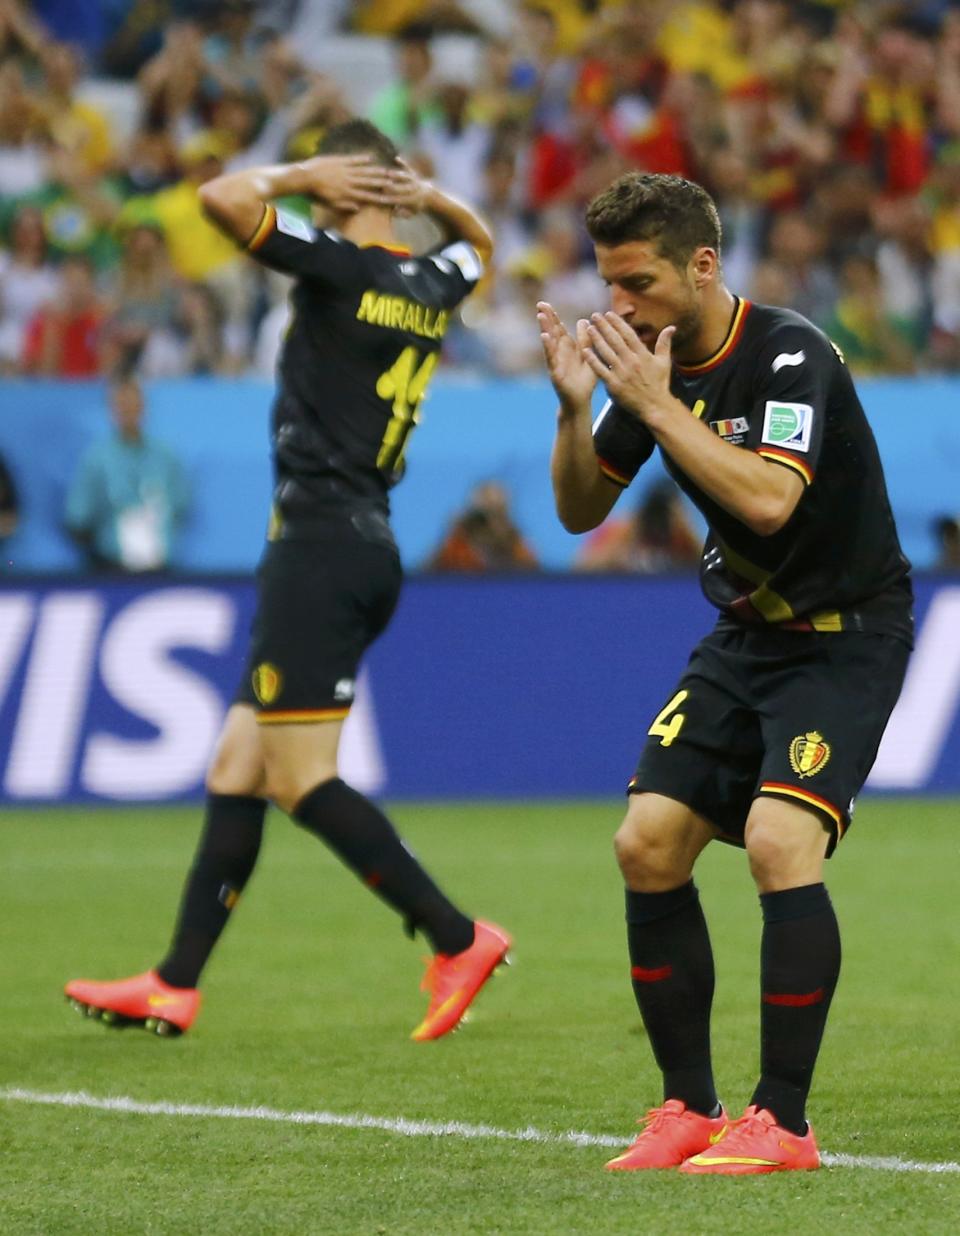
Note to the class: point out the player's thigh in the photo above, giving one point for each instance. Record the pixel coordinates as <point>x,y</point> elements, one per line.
<point>237,766</point>
<point>298,758</point>
<point>786,843</point>
<point>823,713</point>
<point>703,747</point>
<point>659,841</point>
<point>320,604</point>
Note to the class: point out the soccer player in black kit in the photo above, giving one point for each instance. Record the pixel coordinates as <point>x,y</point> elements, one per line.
<point>776,720</point>
<point>368,321</point>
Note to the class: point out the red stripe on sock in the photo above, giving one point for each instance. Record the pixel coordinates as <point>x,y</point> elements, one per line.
<point>795,1002</point>
<point>650,976</point>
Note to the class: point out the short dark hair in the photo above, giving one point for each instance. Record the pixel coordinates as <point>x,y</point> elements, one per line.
<point>676,213</point>
<point>359,137</point>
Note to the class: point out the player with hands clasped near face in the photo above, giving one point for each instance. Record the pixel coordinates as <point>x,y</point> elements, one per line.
<point>368,321</point>
<point>775,723</point>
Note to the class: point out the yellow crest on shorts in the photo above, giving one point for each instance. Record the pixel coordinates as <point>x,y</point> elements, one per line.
<point>809,754</point>
<point>267,682</point>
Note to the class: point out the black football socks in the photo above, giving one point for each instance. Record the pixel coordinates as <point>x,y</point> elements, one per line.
<point>672,971</point>
<point>799,968</point>
<point>363,838</point>
<point>225,857</point>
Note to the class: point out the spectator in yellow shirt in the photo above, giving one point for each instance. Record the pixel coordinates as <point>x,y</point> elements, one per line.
<point>74,125</point>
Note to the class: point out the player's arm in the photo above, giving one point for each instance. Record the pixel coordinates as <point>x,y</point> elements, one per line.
<point>758,492</point>
<point>456,219</point>
<point>236,202</point>
<point>583,494</point>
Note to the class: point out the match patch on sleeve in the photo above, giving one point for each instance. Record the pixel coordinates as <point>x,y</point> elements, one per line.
<point>787,425</point>
<point>465,258</point>
<point>293,225</point>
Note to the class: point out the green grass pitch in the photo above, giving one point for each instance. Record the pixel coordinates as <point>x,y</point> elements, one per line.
<point>313,993</point>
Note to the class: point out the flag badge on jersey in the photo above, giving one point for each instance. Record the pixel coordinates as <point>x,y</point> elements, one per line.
<point>787,424</point>
<point>735,429</point>
<point>809,754</point>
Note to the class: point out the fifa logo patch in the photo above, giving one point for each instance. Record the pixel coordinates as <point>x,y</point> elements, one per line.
<point>267,682</point>
<point>343,692</point>
<point>809,754</point>
<point>787,424</point>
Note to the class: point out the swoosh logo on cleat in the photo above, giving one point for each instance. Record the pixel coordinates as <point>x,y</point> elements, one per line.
<point>715,1137</point>
<point>710,1160</point>
<point>159,1002</point>
<point>447,1004</point>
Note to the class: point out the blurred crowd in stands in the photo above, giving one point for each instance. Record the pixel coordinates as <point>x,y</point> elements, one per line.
<point>827,130</point>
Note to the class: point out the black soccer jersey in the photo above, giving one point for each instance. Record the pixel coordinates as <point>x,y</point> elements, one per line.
<point>779,387</point>
<point>364,340</point>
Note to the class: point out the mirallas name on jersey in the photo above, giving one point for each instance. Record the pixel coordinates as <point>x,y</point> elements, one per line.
<point>357,359</point>
<point>778,386</point>
<point>399,313</point>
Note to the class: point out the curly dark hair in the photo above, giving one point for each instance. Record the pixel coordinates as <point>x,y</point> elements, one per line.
<point>677,214</point>
<point>358,137</point>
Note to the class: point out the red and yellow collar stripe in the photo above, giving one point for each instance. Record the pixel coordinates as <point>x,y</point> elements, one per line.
<point>734,335</point>
<point>789,460</point>
<point>264,228</point>
<point>302,716</point>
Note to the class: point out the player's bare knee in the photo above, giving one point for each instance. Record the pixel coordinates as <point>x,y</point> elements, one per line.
<point>287,787</point>
<point>648,857</point>
<point>235,772</point>
<point>779,860</point>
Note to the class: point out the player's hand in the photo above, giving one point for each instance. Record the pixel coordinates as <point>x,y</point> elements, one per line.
<point>347,182</point>
<point>572,377</point>
<point>635,377</point>
<point>409,192</point>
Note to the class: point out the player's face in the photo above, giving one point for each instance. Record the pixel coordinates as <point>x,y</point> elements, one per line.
<point>649,292</point>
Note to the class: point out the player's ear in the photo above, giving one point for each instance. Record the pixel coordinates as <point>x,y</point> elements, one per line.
<point>704,265</point>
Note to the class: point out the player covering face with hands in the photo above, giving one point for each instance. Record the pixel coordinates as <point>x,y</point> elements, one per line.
<point>775,723</point>
<point>368,320</point>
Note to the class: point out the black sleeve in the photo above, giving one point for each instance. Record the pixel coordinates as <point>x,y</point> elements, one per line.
<point>289,243</point>
<point>796,367</point>
<point>623,444</point>
<point>462,269</point>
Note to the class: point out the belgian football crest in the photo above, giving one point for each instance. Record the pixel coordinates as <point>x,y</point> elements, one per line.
<point>267,682</point>
<point>809,754</point>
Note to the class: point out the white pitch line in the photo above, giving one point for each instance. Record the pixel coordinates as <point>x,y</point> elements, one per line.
<point>402,1126</point>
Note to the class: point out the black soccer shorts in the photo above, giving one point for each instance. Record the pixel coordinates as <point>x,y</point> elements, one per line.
<point>795,714</point>
<point>320,604</point>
